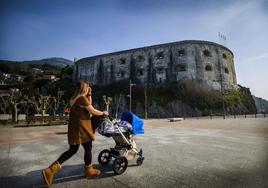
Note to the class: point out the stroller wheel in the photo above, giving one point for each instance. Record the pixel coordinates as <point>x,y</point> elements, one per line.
<point>140,161</point>
<point>104,157</point>
<point>120,165</point>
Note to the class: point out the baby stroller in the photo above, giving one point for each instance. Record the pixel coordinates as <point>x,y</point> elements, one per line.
<point>125,149</point>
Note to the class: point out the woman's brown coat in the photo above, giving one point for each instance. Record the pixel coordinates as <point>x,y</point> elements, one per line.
<point>79,127</point>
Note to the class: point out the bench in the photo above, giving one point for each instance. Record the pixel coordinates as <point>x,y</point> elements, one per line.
<point>4,118</point>
<point>30,119</point>
<point>175,119</point>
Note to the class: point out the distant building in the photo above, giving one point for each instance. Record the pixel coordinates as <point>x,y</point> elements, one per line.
<point>200,61</point>
<point>4,93</point>
<point>11,78</point>
<point>48,77</point>
<point>8,92</point>
<point>36,70</point>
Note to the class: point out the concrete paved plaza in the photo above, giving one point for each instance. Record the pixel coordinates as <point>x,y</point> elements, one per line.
<point>190,153</point>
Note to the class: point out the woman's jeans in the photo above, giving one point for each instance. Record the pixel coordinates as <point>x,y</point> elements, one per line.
<point>73,149</point>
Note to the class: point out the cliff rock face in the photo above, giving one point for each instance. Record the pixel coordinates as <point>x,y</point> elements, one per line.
<point>174,108</point>
<point>261,104</point>
<point>200,61</point>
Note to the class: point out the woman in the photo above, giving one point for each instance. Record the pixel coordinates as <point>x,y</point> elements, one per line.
<point>80,131</point>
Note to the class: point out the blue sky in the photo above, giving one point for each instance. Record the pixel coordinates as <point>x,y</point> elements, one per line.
<point>36,29</point>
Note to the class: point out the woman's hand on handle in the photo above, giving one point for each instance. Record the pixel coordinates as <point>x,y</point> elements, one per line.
<point>105,113</point>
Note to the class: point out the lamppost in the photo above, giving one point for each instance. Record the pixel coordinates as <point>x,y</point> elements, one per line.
<point>222,92</point>
<point>107,101</point>
<point>130,85</point>
<point>145,102</point>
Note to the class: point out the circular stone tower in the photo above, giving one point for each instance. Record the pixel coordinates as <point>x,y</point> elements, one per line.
<point>200,61</point>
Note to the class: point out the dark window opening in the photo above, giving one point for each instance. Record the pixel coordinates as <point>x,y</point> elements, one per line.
<point>224,56</point>
<point>181,52</point>
<point>181,67</point>
<point>160,80</point>
<point>140,58</point>
<point>121,74</point>
<point>159,70</point>
<point>140,72</point>
<point>208,68</point>
<point>159,55</point>
<point>206,53</point>
<point>122,61</point>
<point>226,70</point>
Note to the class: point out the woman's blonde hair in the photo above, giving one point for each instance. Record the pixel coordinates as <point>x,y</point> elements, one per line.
<point>81,89</point>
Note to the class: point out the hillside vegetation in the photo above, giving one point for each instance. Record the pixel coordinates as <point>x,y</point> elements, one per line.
<point>181,98</point>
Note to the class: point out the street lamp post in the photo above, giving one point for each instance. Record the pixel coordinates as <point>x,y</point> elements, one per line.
<point>107,101</point>
<point>222,93</point>
<point>130,85</point>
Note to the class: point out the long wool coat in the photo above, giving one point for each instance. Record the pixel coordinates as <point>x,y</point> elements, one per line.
<point>79,127</point>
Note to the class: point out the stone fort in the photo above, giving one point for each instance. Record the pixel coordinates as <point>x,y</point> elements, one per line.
<point>201,61</point>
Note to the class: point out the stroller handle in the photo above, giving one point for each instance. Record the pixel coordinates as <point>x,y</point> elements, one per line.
<point>109,117</point>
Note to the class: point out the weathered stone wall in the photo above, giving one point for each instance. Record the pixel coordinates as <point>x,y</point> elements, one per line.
<point>201,61</point>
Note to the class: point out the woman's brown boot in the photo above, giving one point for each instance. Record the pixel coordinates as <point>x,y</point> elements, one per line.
<point>49,172</point>
<point>90,171</point>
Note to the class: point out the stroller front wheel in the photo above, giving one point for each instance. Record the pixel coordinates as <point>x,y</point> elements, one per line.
<point>104,157</point>
<point>140,161</point>
<point>120,165</point>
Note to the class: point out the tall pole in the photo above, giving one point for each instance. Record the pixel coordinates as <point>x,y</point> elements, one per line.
<point>130,95</point>
<point>222,91</point>
<point>130,85</point>
<point>145,102</point>
<point>107,101</point>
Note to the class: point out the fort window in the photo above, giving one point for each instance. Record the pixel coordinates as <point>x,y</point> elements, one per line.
<point>140,58</point>
<point>160,70</point>
<point>159,55</point>
<point>181,52</point>
<point>206,53</point>
<point>140,72</point>
<point>208,67</point>
<point>226,70</point>
<point>182,67</point>
<point>121,74</point>
<point>224,56</point>
<point>122,61</point>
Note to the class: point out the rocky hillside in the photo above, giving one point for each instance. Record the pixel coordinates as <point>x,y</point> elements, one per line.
<point>44,66</point>
<point>261,104</point>
<point>55,61</point>
<point>174,99</point>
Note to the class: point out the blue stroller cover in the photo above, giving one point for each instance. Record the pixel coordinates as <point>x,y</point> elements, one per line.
<point>135,121</point>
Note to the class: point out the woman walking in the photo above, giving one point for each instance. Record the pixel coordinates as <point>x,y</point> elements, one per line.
<point>80,132</point>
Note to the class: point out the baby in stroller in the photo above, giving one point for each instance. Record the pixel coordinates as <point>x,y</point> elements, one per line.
<point>123,134</point>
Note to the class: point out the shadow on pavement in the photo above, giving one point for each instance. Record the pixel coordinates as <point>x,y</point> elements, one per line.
<point>66,174</point>
<point>203,179</point>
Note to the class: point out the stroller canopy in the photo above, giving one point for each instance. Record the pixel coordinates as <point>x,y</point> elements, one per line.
<point>135,121</point>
